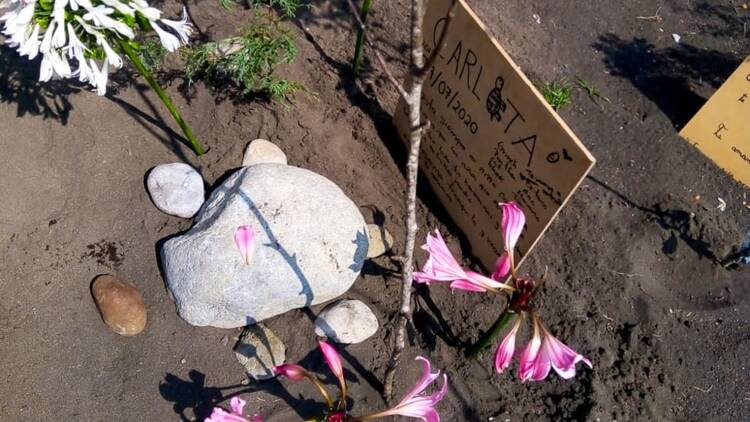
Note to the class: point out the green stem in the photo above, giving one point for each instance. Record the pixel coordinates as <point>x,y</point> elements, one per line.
<point>492,334</point>
<point>357,64</point>
<point>194,144</point>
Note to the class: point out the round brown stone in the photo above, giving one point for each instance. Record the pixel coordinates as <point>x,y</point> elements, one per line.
<point>120,304</point>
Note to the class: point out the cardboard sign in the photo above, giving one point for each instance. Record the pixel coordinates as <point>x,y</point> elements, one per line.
<point>721,129</point>
<point>493,138</point>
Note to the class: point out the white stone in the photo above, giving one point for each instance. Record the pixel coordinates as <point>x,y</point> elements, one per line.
<point>311,243</point>
<point>347,322</point>
<point>380,240</point>
<point>262,151</point>
<point>259,350</point>
<point>176,189</point>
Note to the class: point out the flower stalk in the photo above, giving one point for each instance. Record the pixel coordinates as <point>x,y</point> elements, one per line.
<point>128,50</point>
<point>489,337</point>
<point>357,62</point>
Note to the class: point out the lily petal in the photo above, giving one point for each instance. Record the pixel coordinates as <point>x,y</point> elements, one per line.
<point>502,267</point>
<point>244,237</point>
<point>507,348</point>
<point>441,265</point>
<point>291,371</point>
<point>334,362</point>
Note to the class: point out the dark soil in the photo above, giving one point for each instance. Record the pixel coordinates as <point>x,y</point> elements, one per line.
<point>634,282</point>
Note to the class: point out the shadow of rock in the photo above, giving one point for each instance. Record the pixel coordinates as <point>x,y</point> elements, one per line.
<point>667,76</point>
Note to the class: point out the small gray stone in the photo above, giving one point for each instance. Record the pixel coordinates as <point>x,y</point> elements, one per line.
<point>176,189</point>
<point>262,151</point>
<point>347,322</point>
<point>380,240</point>
<point>259,350</point>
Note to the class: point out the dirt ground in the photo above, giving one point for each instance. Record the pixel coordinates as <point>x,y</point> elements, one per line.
<point>634,282</point>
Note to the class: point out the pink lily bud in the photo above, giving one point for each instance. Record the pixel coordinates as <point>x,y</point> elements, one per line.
<point>543,352</point>
<point>291,371</point>
<point>244,237</point>
<point>334,363</point>
<point>507,347</point>
<point>237,404</point>
<point>415,404</point>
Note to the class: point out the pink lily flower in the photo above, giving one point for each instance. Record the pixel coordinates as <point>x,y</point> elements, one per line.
<point>512,224</point>
<point>417,405</point>
<point>237,404</point>
<point>334,363</point>
<point>543,352</point>
<point>502,267</point>
<point>244,237</point>
<point>291,371</point>
<point>441,265</point>
<point>475,282</point>
<point>507,347</point>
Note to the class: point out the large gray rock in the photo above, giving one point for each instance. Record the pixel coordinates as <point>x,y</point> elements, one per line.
<point>311,242</point>
<point>176,189</point>
<point>346,322</point>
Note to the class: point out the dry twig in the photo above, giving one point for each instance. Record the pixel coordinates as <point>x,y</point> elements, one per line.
<point>412,95</point>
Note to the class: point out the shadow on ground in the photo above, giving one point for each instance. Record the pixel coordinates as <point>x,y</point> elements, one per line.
<point>667,76</point>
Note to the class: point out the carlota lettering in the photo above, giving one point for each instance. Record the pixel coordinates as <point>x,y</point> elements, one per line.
<point>467,67</point>
<point>742,155</point>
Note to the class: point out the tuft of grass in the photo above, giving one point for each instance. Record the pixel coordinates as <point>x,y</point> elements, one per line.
<point>287,7</point>
<point>557,93</point>
<point>152,54</point>
<point>590,89</point>
<point>248,62</point>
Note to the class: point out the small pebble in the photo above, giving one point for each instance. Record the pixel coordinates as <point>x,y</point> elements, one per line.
<point>346,322</point>
<point>380,240</point>
<point>259,350</point>
<point>176,189</point>
<point>183,361</point>
<point>120,304</point>
<point>262,151</point>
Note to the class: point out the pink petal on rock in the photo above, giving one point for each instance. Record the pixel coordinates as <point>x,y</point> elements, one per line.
<point>244,237</point>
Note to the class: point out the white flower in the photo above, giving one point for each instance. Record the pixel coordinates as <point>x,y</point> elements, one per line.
<point>31,44</point>
<point>100,77</point>
<point>144,9</point>
<point>120,7</point>
<point>112,57</point>
<point>75,49</point>
<point>169,41</point>
<point>17,23</point>
<point>46,45</point>
<point>182,27</point>
<point>100,16</point>
<point>54,64</point>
